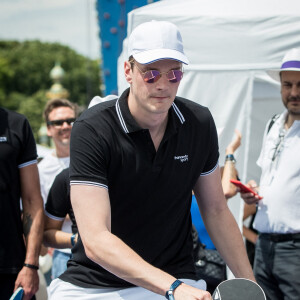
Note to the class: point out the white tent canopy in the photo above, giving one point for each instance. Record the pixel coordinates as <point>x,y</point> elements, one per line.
<point>230,44</point>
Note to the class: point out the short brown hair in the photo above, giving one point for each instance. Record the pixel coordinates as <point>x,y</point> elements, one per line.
<point>55,103</point>
<point>131,61</point>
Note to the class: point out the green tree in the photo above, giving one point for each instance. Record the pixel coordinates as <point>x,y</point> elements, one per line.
<point>32,107</point>
<point>25,76</point>
<point>6,75</point>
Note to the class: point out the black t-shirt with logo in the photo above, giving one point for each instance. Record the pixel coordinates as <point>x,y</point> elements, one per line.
<point>17,149</point>
<point>149,190</point>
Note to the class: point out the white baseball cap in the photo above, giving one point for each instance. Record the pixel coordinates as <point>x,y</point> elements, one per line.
<point>156,40</point>
<point>290,62</point>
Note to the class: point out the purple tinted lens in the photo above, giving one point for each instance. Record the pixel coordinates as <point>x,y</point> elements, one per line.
<point>151,76</point>
<point>174,76</point>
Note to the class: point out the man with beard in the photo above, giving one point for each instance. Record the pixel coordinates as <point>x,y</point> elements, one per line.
<point>59,115</point>
<point>277,257</point>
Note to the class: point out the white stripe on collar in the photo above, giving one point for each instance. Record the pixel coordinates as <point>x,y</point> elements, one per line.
<point>119,113</point>
<point>178,113</point>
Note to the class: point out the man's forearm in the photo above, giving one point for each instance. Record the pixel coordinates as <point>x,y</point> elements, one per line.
<point>33,212</point>
<point>33,226</point>
<point>229,172</point>
<point>93,218</point>
<point>114,255</point>
<point>57,239</point>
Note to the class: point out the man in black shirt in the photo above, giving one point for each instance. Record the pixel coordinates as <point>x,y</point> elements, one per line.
<point>134,164</point>
<point>57,207</point>
<point>19,178</point>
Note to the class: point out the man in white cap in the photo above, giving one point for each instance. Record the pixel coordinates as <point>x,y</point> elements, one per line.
<point>277,257</point>
<point>134,164</point>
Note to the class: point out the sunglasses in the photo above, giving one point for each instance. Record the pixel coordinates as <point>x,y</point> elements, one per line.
<point>152,76</point>
<point>57,123</point>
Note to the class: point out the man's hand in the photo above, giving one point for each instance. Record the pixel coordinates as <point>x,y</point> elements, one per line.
<point>28,279</point>
<point>187,292</point>
<point>250,198</point>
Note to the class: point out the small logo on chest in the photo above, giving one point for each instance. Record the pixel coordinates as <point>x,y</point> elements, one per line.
<point>3,139</point>
<point>182,158</point>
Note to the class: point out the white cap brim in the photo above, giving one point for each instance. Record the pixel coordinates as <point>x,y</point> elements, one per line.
<point>150,56</point>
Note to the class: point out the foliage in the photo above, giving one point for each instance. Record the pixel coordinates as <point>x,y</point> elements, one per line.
<point>32,107</point>
<point>25,77</point>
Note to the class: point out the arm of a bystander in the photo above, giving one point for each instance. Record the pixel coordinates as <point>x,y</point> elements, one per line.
<point>33,229</point>
<point>229,170</point>
<point>221,225</point>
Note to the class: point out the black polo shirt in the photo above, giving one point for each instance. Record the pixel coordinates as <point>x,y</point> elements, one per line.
<point>17,150</point>
<point>58,203</point>
<point>149,190</point>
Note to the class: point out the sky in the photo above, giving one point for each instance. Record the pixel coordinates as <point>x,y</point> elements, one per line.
<point>70,22</point>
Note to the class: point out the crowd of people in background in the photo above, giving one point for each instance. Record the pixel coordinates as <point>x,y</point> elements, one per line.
<point>135,162</point>
<point>59,114</point>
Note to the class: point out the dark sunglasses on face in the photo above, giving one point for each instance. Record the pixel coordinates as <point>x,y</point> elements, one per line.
<point>69,121</point>
<point>152,76</point>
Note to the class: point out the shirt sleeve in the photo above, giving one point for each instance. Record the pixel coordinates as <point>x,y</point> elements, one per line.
<point>28,155</point>
<point>58,202</point>
<point>213,154</point>
<point>88,163</point>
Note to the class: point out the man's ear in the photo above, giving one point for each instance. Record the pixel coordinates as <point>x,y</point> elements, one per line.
<point>128,72</point>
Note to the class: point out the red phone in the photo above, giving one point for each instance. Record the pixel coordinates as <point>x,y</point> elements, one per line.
<point>244,188</point>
